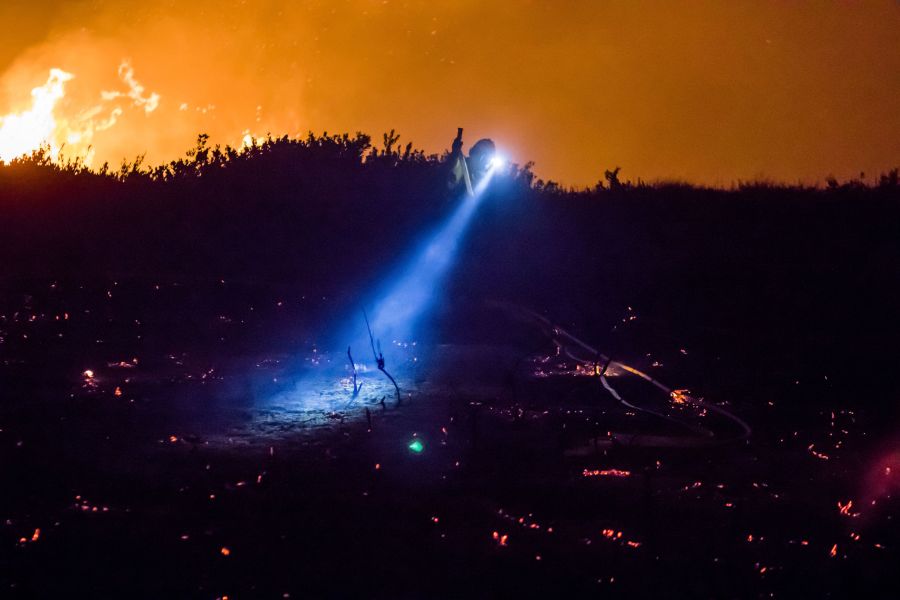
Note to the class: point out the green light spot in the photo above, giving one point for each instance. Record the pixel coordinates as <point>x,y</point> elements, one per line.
<point>416,446</point>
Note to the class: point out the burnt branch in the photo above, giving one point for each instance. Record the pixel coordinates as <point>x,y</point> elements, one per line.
<point>379,356</point>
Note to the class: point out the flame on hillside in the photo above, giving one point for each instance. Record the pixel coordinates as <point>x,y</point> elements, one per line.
<point>49,122</point>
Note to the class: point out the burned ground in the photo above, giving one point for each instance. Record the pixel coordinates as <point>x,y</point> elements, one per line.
<point>155,330</point>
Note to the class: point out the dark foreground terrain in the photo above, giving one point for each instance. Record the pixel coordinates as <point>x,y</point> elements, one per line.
<point>177,420</point>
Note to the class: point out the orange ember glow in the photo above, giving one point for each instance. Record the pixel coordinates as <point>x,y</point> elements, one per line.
<point>606,473</point>
<point>710,92</point>
<point>680,396</point>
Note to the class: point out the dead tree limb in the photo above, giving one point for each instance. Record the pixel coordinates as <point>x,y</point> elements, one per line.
<point>379,357</point>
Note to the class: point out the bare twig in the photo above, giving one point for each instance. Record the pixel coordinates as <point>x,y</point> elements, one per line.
<point>379,357</point>
<point>356,387</point>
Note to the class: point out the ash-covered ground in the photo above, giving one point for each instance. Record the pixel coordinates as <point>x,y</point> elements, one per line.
<point>629,390</point>
<point>193,439</point>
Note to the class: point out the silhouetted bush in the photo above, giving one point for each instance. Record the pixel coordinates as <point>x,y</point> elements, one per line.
<point>332,210</point>
<point>751,266</point>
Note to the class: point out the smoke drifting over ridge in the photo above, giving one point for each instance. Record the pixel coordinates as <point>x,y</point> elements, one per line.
<point>699,91</point>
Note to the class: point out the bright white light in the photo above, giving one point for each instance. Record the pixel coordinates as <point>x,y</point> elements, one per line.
<point>498,162</point>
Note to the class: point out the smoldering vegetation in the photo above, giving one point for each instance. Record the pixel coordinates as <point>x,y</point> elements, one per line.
<point>146,313</point>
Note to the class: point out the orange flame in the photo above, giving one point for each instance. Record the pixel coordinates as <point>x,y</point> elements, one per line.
<point>21,133</point>
<point>41,125</point>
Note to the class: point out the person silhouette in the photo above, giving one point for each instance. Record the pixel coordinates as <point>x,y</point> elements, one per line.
<point>469,170</point>
<point>480,157</point>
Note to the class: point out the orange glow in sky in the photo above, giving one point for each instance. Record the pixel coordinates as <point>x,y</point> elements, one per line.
<point>709,92</point>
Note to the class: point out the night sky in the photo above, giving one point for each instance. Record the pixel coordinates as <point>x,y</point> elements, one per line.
<point>710,92</point>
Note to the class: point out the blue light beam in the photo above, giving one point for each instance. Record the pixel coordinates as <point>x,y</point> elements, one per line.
<point>397,312</point>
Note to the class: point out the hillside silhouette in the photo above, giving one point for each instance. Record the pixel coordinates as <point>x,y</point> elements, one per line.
<point>300,208</point>
<point>333,213</point>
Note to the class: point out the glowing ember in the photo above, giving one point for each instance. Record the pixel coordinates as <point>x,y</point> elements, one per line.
<point>816,453</point>
<point>611,534</point>
<point>606,473</point>
<point>500,539</point>
<point>680,396</point>
<point>618,536</point>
